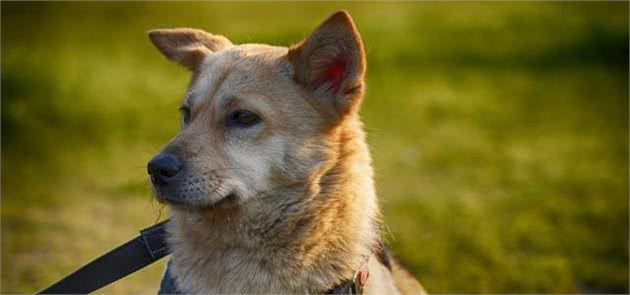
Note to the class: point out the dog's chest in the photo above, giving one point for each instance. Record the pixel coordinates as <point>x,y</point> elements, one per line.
<point>380,282</point>
<point>225,273</point>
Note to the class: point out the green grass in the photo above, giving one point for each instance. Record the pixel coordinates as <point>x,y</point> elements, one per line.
<point>499,133</point>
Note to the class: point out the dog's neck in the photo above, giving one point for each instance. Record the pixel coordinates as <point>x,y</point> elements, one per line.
<point>318,238</point>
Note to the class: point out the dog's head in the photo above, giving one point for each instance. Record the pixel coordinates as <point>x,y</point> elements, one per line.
<point>256,118</point>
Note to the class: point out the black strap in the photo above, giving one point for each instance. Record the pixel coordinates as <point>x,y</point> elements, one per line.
<point>143,250</point>
<point>349,287</point>
<point>352,286</point>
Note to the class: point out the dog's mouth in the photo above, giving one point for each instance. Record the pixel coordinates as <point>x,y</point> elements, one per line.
<point>230,200</point>
<point>185,195</point>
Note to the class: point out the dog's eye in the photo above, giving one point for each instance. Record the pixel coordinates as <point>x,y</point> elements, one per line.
<point>242,118</point>
<point>185,115</point>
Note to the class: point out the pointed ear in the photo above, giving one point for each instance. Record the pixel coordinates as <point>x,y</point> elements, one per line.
<point>188,47</point>
<point>330,63</point>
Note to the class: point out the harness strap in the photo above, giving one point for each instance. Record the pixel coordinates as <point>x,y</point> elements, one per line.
<point>141,251</point>
<point>354,286</point>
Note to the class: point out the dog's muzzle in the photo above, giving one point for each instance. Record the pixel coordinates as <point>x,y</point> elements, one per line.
<point>176,185</point>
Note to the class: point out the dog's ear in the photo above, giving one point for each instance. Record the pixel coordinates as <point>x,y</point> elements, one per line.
<point>188,47</point>
<point>330,63</point>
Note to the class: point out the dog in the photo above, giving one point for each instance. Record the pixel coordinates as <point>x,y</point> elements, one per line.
<point>269,181</point>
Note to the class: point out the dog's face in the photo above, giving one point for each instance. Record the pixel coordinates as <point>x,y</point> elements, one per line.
<point>255,118</point>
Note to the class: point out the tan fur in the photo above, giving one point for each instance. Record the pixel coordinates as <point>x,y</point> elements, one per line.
<point>285,206</point>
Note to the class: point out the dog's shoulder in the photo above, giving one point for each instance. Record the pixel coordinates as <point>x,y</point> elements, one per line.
<point>405,282</point>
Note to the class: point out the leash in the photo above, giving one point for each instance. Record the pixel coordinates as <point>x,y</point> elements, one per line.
<point>148,247</point>
<point>131,256</point>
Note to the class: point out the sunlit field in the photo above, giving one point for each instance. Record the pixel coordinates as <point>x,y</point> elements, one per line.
<point>499,133</point>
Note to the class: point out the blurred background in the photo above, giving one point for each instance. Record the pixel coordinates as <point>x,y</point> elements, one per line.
<point>499,133</point>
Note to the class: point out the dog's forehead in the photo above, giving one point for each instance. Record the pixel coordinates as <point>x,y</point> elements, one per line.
<point>237,67</point>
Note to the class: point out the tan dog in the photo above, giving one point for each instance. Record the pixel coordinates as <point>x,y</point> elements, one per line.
<point>269,180</point>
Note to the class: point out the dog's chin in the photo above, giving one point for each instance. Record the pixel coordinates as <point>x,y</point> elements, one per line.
<point>229,200</point>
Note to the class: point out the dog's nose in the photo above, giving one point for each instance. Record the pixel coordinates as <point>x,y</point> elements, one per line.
<point>163,168</point>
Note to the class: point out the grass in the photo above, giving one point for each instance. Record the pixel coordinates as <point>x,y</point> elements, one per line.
<point>499,133</point>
